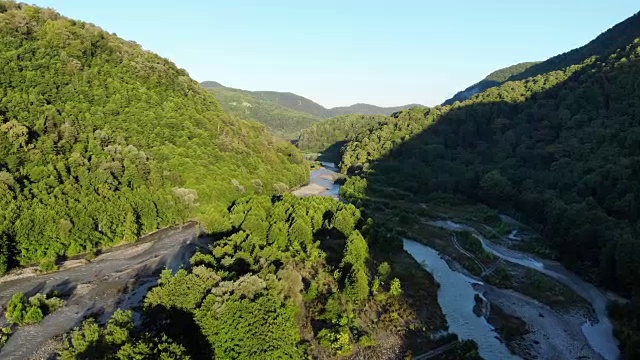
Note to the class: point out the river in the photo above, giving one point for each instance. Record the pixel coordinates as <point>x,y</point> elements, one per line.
<point>598,333</point>
<point>321,182</point>
<point>456,297</point>
<point>457,291</point>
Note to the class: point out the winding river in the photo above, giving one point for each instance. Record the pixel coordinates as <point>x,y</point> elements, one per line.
<point>456,297</point>
<point>456,294</point>
<point>599,334</point>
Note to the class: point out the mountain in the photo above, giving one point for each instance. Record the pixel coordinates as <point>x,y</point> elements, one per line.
<point>251,106</point>
<point>366,109</point>
<point>607,43</point>
<point>494,79</point>
<point>101,141</point>
<point>284,112</point>
<point>560,150</point>
<point>294,102</point>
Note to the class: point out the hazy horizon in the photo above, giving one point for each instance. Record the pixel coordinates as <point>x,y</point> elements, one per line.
<point>386,54</point>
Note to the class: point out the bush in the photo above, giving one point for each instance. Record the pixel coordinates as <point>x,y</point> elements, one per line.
<point>5,333</point>
<point>21,311</point>
<point>48,265</point>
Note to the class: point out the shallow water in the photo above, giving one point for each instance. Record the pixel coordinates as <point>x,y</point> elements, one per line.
<point>324,177</point>
<point>599,334</point>
<point>456,298</point>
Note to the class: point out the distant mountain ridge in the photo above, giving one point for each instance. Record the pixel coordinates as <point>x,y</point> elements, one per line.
<point>496,78</point>
<point>299,103</point>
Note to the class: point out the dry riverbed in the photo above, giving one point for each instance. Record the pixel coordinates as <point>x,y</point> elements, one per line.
<point>117,279</point>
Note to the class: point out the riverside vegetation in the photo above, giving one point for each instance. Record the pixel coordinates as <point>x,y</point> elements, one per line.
<point>294,278</point>
<point>101,142</point>
<point>559,149</point>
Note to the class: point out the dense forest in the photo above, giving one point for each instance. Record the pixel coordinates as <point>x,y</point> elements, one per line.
<point>559,149</point>
<point>294,279</point>
<point>328,136</point>
<point>246,105</point>
<point>101,141</point>
<point>285,113</point>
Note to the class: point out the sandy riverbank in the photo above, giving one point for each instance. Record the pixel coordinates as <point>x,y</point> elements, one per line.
<point>552,335</point>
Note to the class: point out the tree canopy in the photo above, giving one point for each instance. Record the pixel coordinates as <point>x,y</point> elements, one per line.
<point>101,141</point>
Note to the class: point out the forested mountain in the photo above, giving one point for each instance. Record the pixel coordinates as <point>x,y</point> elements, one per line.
<point>367,109</point>
<point>282,99</point>
<point>328,136</point>
<point>560,149</point>
<point>607,43</point>
<point>101,141</point>
<point>494,79</point>
<point>250,106</point>
<point>283,112</point>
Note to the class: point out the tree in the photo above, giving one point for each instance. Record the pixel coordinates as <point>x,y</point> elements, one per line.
<point>495,188</point>
<point>344,221</point>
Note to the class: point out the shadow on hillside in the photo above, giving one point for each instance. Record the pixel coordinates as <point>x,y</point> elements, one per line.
<point>451,159</point>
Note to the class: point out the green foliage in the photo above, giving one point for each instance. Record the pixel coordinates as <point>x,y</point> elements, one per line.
<point>395,288</point>
<point>354,188</point>
<point>48,265</point>
<point>117,341</point>
<point>245,105</point>
<point>247,299</point>
<point>289,114</point>
<point>384,270</point>
<point>324,135</point>
<point>183,290</point>
<point>345,220</point>
<point>250,329</point>
<point>101,141</point>
<point>17,308</point>
<point>33,316</point>
<point>21,311</point>
<point>82,342</point>
<point>338,340</point>
<point>5,333</point>
<point>556,148</point>
<point>153,348</point>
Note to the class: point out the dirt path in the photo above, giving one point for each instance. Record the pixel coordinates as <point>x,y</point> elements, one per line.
<point>454,239</point>
<point>119,278</point>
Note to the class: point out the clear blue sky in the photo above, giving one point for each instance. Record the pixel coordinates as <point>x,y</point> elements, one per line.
<point>336,53</point>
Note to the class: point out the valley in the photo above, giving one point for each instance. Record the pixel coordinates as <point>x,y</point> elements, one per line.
<point>145,215</point>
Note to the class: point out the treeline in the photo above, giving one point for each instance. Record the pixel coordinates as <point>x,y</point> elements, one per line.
<point>294,279</point>
<point>328,136</point>
<point>560,149</point>
<point>101,141</point>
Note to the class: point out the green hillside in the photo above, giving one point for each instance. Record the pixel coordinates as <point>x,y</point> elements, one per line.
<point>101,141</point>
<point>246,105</point>
<point>560,150</point>
<point>285,113</point>
<point>367,109</point>
<point>328,136</point>
<point>494,79</point>
<point>294,102</point>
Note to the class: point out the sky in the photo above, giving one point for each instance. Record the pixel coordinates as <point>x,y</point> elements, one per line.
<point>338,53</point>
